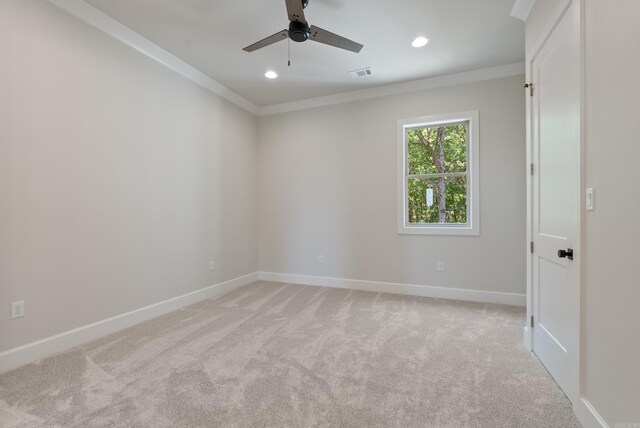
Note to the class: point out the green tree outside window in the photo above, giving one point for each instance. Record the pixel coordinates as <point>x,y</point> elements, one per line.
<point>437,174</point>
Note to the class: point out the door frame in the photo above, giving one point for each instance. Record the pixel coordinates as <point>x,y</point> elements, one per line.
<point>531,55</point>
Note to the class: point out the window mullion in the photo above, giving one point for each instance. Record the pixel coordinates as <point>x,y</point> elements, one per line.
<point>446,174</point>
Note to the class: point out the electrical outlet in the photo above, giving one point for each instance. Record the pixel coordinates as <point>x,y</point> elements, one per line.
<point>321,259</point>
<point>211,265</point>
<point>17,309</point>
<point>440,266</point>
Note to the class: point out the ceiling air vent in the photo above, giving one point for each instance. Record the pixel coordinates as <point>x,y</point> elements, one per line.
<point>363,72</point>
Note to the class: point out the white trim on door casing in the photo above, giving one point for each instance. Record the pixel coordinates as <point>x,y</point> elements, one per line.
<point>530,56</point>
<point>582,408</point>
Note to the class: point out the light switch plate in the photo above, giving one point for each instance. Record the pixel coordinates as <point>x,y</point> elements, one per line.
<point>591,199</point>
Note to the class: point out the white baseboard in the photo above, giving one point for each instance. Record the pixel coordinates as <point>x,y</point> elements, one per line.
<point>36,351</point>
<point>587,414</point>
<point>394,288</point>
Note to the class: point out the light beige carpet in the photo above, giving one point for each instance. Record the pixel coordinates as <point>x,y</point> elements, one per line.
<point>290,355</point>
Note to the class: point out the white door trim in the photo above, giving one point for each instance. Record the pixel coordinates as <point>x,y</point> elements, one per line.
<point>531,55</point>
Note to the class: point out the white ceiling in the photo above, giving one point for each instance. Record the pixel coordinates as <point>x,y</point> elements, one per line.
<point>210,34</point>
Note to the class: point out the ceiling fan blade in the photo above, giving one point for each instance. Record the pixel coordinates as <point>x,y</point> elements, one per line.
<point>295,10</point>
<point>281,35</point>
<point>328,38</point>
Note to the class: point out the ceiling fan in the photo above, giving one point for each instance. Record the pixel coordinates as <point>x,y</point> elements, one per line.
<point>300,31</point>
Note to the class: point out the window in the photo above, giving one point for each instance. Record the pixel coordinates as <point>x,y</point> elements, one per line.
<point>438,182</point>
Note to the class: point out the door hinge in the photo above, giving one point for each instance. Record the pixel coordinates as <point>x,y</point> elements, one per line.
<point>531,247</point>
<point>530,86</point>
<point>532,169</point>
<point>531,321</point>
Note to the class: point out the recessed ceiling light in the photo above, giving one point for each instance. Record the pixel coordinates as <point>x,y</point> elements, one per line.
<point>270,74</point>
<point>419,42</point>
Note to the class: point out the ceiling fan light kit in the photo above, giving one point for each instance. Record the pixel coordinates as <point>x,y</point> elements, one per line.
<point>300,31</point>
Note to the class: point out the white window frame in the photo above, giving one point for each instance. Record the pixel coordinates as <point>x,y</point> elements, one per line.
<point>472,227</point>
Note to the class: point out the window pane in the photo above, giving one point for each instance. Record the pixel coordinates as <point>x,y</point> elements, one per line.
<point>427,197</point>
<point>437,149</point>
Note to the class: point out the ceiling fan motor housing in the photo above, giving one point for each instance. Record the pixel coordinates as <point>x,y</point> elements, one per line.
<point>298,31</point>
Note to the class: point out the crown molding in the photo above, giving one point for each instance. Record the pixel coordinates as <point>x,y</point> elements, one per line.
<point>521,9</point>
<point>508,70</point>
<point>105,23</point>
<point>96,18</point>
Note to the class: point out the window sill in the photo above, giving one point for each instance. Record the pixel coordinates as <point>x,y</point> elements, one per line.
<point>439,230</point>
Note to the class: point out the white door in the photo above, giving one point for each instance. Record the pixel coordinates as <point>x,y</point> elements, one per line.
<point>556,201</point>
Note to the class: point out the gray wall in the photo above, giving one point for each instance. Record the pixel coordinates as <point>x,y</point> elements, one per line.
<point>611,287</point>
<point>119,179</point>
<point>327,186</point>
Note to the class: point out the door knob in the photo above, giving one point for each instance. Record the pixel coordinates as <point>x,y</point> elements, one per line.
<point>566,254</point>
